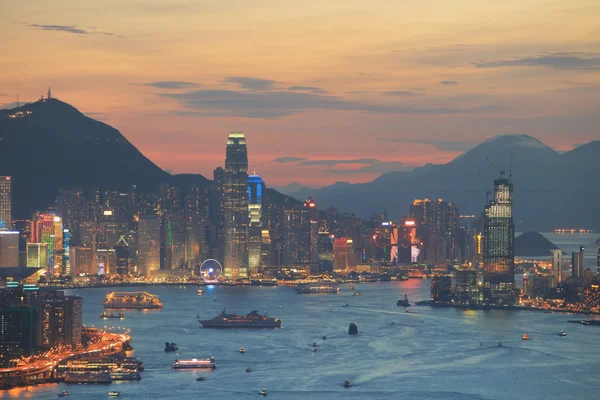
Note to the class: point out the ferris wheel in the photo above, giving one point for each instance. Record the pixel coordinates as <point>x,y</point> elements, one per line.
<point>211,270</point>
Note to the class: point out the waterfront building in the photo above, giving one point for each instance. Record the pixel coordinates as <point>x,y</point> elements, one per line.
<point>498,246</point>
<point>441,289</point>
<point>235,207</point>
<point>9,249</point>
<point>37,255</point>
<point>18,325</point>
<point>60,321</point>
<point>148,245</point>
<point>301,236</point>
<point>343,254</point>
<point>256,187</point>
<point>466,287</point>
<point>441,220</point>
<point>557,264</point>
<point>5,202</point>
<point>577,263</point>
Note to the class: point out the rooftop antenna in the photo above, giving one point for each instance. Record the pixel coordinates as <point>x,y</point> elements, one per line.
<point>254,167</point>
<point>487,188</point>
<point>501,170</point>
<point>49,93</point>
<point>18,102</point>
<point>510,168</point>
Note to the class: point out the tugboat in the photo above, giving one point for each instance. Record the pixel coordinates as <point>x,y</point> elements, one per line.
<point>353,329</point>
<point>242,350</point>
<point>347,383</point>
<point>114,394</point>
<point>262,392</point>
<point>403,303</point>
<point>170,347</point>
<point>64,393</point>
<point>562,333</point>
<point>200,378</point>
<point>525,337</point>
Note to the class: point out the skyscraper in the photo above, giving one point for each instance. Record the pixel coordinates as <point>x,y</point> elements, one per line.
<point>235,207</point>
<point>577,263</point>
<point>598,259</point>
<point>37,255</point>
<point>498,245</point>
<point>149,245</point>
<point>557,264</point>
<point>5,202</point>
<point>256,187</point>
<point>9,249</point>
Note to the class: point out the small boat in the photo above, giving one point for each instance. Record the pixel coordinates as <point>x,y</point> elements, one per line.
<point>200,291</point>
<point>280,306</point>
<point>215,299</point>
<point>248,369</point>
<point>315,349</point>
<point>262,392</point>
<point>170,347</point>
<point>200,378</point>
<point>353,329</point>
<point>114,394</point>
<point>499,344</point>
<point>562,333</point>
<point>525,337</point>
<point>347,383</point>
<point>357,294</point>
<point>407,310</point>
<point>314,344</point>
<point>64,393</point>
<point>351,287</point>
<point>242,350</point>
<point>392,323</point>
<point>346,305</point>
<point>324,337</point>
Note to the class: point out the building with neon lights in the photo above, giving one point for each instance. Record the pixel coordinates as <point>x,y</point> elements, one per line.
<point>256,187</point>
<point>5,202</point>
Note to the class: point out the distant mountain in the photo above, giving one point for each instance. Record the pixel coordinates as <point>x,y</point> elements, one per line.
<point>533,244</point>
<point>292,188</point>
<point>552,190</point>
<point>49,145</point>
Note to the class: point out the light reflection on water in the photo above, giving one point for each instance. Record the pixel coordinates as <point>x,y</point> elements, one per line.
<point>426,354</point>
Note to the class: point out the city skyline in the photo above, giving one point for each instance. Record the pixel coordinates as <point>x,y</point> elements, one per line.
<point>421,94</point>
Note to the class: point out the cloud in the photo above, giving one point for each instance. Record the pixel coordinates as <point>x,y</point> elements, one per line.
<point>68,29</point>
<point>308,89</point>
<point>275,104</point>
<point>3,94</point>
<point>171,84</point>
<point>448,83</point>
<point>442,145</point>
<point>565,60</point>
<point>289,159</point>
<point>402,93</point>
<point>365,165</point>
<point>249,83</point>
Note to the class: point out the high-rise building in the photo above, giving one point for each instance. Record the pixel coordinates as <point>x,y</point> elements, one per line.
<point>216,228</point>
<point>235,207</point>
<point>60,321</point>
<point>5,202</point>
<point>148,245</point>
<point>577,263</point>
<point>301,236</point>
<point>440,219</point>
<point>9,249</point>
<point>82,261</point>
<point>557,264</point>
<point>256,187</point>
<point>343,254</point>
<point>37,255</point>
<point>498,245</point>
<point>598,259</point>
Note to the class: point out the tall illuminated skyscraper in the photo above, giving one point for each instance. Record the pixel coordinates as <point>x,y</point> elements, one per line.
<point>498,245</point>
<point>47,228</point>
<point>149,245</point>
<point>578,263</point>
<point>557,264</point>
<point>9,249</point>
<point>5,202</point>
<point>235,207</point>
<point>256,187</point>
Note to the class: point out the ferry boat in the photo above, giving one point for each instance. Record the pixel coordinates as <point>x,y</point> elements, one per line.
<point>101,364</point>
<point>125,375</point>
<point>114,394</point>
<point>132,300</point>
<point>64,393</point>
<point>262,392</point>
<point>243,350</point>
<point>195,363</point>
<point>106,315</point>
<point>87,377</point>
<point>250,320</point>
<point>321,284</point>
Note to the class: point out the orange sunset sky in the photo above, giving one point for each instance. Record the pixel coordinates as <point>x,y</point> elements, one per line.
<point>325,90</point>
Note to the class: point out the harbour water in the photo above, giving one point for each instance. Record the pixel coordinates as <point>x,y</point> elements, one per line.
<point>429,353</point>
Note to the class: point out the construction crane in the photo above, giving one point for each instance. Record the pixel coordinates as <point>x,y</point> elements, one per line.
<point>501,170</point>
<point>487,188</point>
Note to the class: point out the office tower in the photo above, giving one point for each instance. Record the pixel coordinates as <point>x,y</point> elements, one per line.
<point>343,254</point>
<point>216,228</point>
<point>37,255</point>
<point>5,202</point>
<point>235,207</point>
<point>498,245</point>
<point>313,241</point>
<point>557,264</point>
<point>148,245</point>
<point>58,246</point>
<point>17,332</point>
<point>122,254</point>
<point>106,260</point>
<point>301,236</point>
<point>194,213</point>
<point>440,218</point>
<point>256,187</point>
<point>82,261</point>
<point>441,289</point>
<point>60,321</point>
<point>9,249</point>
<point>42,231</point>
<point>466,288</point>
<point>577,263</point>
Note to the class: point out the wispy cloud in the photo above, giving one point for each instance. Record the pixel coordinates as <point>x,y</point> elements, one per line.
<point>442,145</point>
<point>308,89</point>
<point>448,83</point>
<point>563,60</point>
<point>249,83</point>
<point>73,29</point>
<point>402,93</point>
<point>171,84</point>
<point>289,159</point>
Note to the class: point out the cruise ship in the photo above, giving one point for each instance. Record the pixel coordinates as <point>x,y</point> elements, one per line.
<point>250,320</point>
<point>134,300</point>
<point>320,284</point>
<point>87,377</point>
<point>195,363</point>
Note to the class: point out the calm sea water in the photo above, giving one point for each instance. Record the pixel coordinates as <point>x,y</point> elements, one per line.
<point>427,354</point>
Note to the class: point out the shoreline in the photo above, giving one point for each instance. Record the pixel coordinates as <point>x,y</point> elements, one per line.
<point>511,308</point>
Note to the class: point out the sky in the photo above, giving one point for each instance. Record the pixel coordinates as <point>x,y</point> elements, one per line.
<point>325,91</point>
